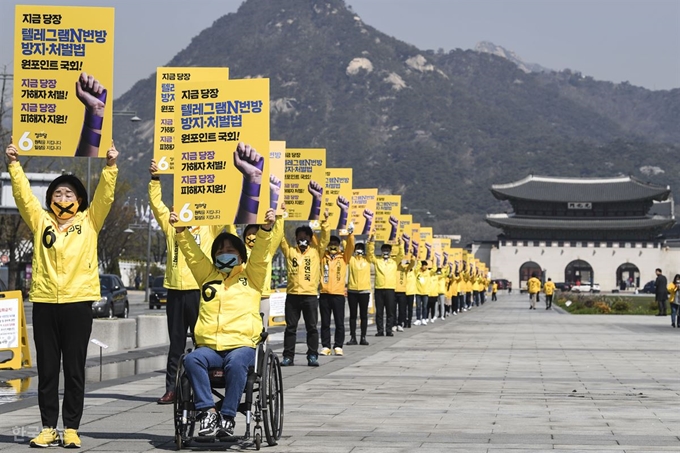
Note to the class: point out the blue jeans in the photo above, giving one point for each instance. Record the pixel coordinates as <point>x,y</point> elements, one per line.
<point>675,311</point>
<point>235,363</point>
<point>421,306</point>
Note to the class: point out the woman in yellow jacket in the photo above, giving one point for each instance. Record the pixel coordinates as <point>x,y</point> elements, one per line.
<point>229,323</point>
<point>423,277</point>
<point>65,283</point>
<point>358,293</point>
<point>673,288</point>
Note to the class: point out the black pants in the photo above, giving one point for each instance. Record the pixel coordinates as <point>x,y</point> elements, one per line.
<point>401,308</point>
<point>548,300</point>
<point>662,307</point>
<point>308,306</point>
<point>493,296</point>
<point>468,300</point>
<point>358,301</point>
<point>432,302</point>
<point>410,298</point>
<point>384,302</point>
<point>335,304</point>
<point>61,333</point>
<point>182,314</point>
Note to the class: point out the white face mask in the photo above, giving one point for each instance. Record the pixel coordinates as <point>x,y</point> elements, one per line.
<point>225,262</point>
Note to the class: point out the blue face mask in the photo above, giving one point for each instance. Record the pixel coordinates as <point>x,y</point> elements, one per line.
<point>225,262</point>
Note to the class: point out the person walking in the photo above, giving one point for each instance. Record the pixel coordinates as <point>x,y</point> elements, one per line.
<point>65,283</point>
<point>534,287</point>
<point>661,291</point>
<point>549,290</point>
<point>494,291</point>
<point>673,288</point>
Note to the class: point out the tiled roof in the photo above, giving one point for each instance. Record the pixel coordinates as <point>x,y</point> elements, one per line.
<point>587,190</point>
<point>533,223</point>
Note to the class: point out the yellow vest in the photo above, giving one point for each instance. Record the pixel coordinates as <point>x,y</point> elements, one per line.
<point>229,314</point>
<point>304,273</point>
<point>177,273</point>
<point>65,264</point>
<point>385,269</point>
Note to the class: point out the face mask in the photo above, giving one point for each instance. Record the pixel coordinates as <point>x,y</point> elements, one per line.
<point>250,240</point>
<point>302,243</point>
<point>359,252</point>
<point>386,255</point>
<point>64,210</point>
<point>225,262</point>
<point>333,249</point>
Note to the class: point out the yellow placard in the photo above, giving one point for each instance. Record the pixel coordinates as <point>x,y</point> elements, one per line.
<point>426,244</point>
<point>387,212</point>
<point>304,184</point>
<point>362,210</point>
<point>169,85</point>
<point>415,240</point>
<point>337,196</point>
<point>405,221</point>
<point>63,79</point>
<point>438,248</point>
<point>216,184</point>
<point>277,165</point>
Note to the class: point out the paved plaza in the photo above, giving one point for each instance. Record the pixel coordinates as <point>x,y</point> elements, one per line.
<point>499,378</point>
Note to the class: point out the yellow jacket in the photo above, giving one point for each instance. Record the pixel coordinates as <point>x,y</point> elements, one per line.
<point>494,287</point>
<point>65,263</point>
<point>672,291</point>
<point>277,234</point>
<point>402,277</point>
<point>304,273</point>
<point>423,278</point>
<point>385,269</point>
<point>549,288</point>
<point>411,282</point>
<point>359,274</point>
<point>467,281</point>
<point>229,314</point>
<point>534,285</point>
<point>177,274</point>
<point>441,280</point>
<point>334,269</point>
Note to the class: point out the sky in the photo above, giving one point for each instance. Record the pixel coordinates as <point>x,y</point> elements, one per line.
<point>613,40</point>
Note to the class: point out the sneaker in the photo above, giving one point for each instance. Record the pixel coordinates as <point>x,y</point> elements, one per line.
<point>400,329</point>
<point>455,314</point>
<point>71,439</point>
<point>287,361</point>
<point>394,328</point>
<point>337,351</point>
<point>432,320</point>
<point>389,334</point>
<point>441,317</point>
<point>379,334</point>
<point>352,341</point>
<point>208,425</point>
<point>464,309</point>
<point>312,360</point>
<point>227,425</point>
<point>48,437</point>
<point>417,322</point>
<point>325,351</point>
<point>424,322</point>
<point>363,341</point>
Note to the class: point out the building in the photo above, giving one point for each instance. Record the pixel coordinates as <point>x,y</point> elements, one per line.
<point>593,230</point>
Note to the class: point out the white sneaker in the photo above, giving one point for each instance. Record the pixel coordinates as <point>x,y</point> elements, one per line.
<point>441,317</point>
<point>400,329</point>
<point>432,320</point>
<point>464,309</point>
<point>417,322</point>
<point>394,328</point>
<point>424,322</point>
<point>325,351</point>
<point>455,314</point>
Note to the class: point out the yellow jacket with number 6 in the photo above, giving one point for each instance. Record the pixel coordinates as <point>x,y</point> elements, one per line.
<point>65,264</point>
<point>229,314</point>
<point>177,273</point>
<point>304,269</point>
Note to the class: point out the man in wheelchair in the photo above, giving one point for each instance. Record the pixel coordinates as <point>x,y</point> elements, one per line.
<point>229,323</point>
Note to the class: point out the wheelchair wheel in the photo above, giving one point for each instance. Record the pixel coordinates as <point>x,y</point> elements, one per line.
<point>271,397</point>
<point>184,416</point>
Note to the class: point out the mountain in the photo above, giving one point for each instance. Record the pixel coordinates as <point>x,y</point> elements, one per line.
<point>437,128</point>
<point>489,47</point>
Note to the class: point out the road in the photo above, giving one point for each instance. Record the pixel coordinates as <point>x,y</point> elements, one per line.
<point>136,299</point>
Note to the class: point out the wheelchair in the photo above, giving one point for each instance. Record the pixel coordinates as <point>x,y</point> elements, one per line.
<point>261,403</point>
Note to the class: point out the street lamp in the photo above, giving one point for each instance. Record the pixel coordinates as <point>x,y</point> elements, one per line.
<point>134,118</point>
<point>136,226</point>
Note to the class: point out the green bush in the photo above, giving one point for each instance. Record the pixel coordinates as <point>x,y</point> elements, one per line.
<point>620,306</point>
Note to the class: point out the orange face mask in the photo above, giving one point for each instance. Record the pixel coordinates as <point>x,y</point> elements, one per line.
<point>64,209</point>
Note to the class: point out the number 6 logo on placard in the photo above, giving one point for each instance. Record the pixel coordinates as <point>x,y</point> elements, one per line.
<point>25,143</point>
<point>163,164</point>
<point>186,214</point>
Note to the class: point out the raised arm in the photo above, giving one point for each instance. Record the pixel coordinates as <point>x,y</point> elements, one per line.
<point>370,250</point>
<point>160,211</point>
<point>27,203</point>
<point>200,265</point>
<point>106,188</point>
<point>349,248</point>
<point>260,257</point>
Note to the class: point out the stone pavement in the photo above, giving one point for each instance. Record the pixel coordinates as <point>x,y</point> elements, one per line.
<point>499,378</point>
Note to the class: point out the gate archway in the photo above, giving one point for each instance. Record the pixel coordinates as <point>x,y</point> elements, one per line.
<point>526,270</point>
<point>627,276</point>
<point>579,271</point>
